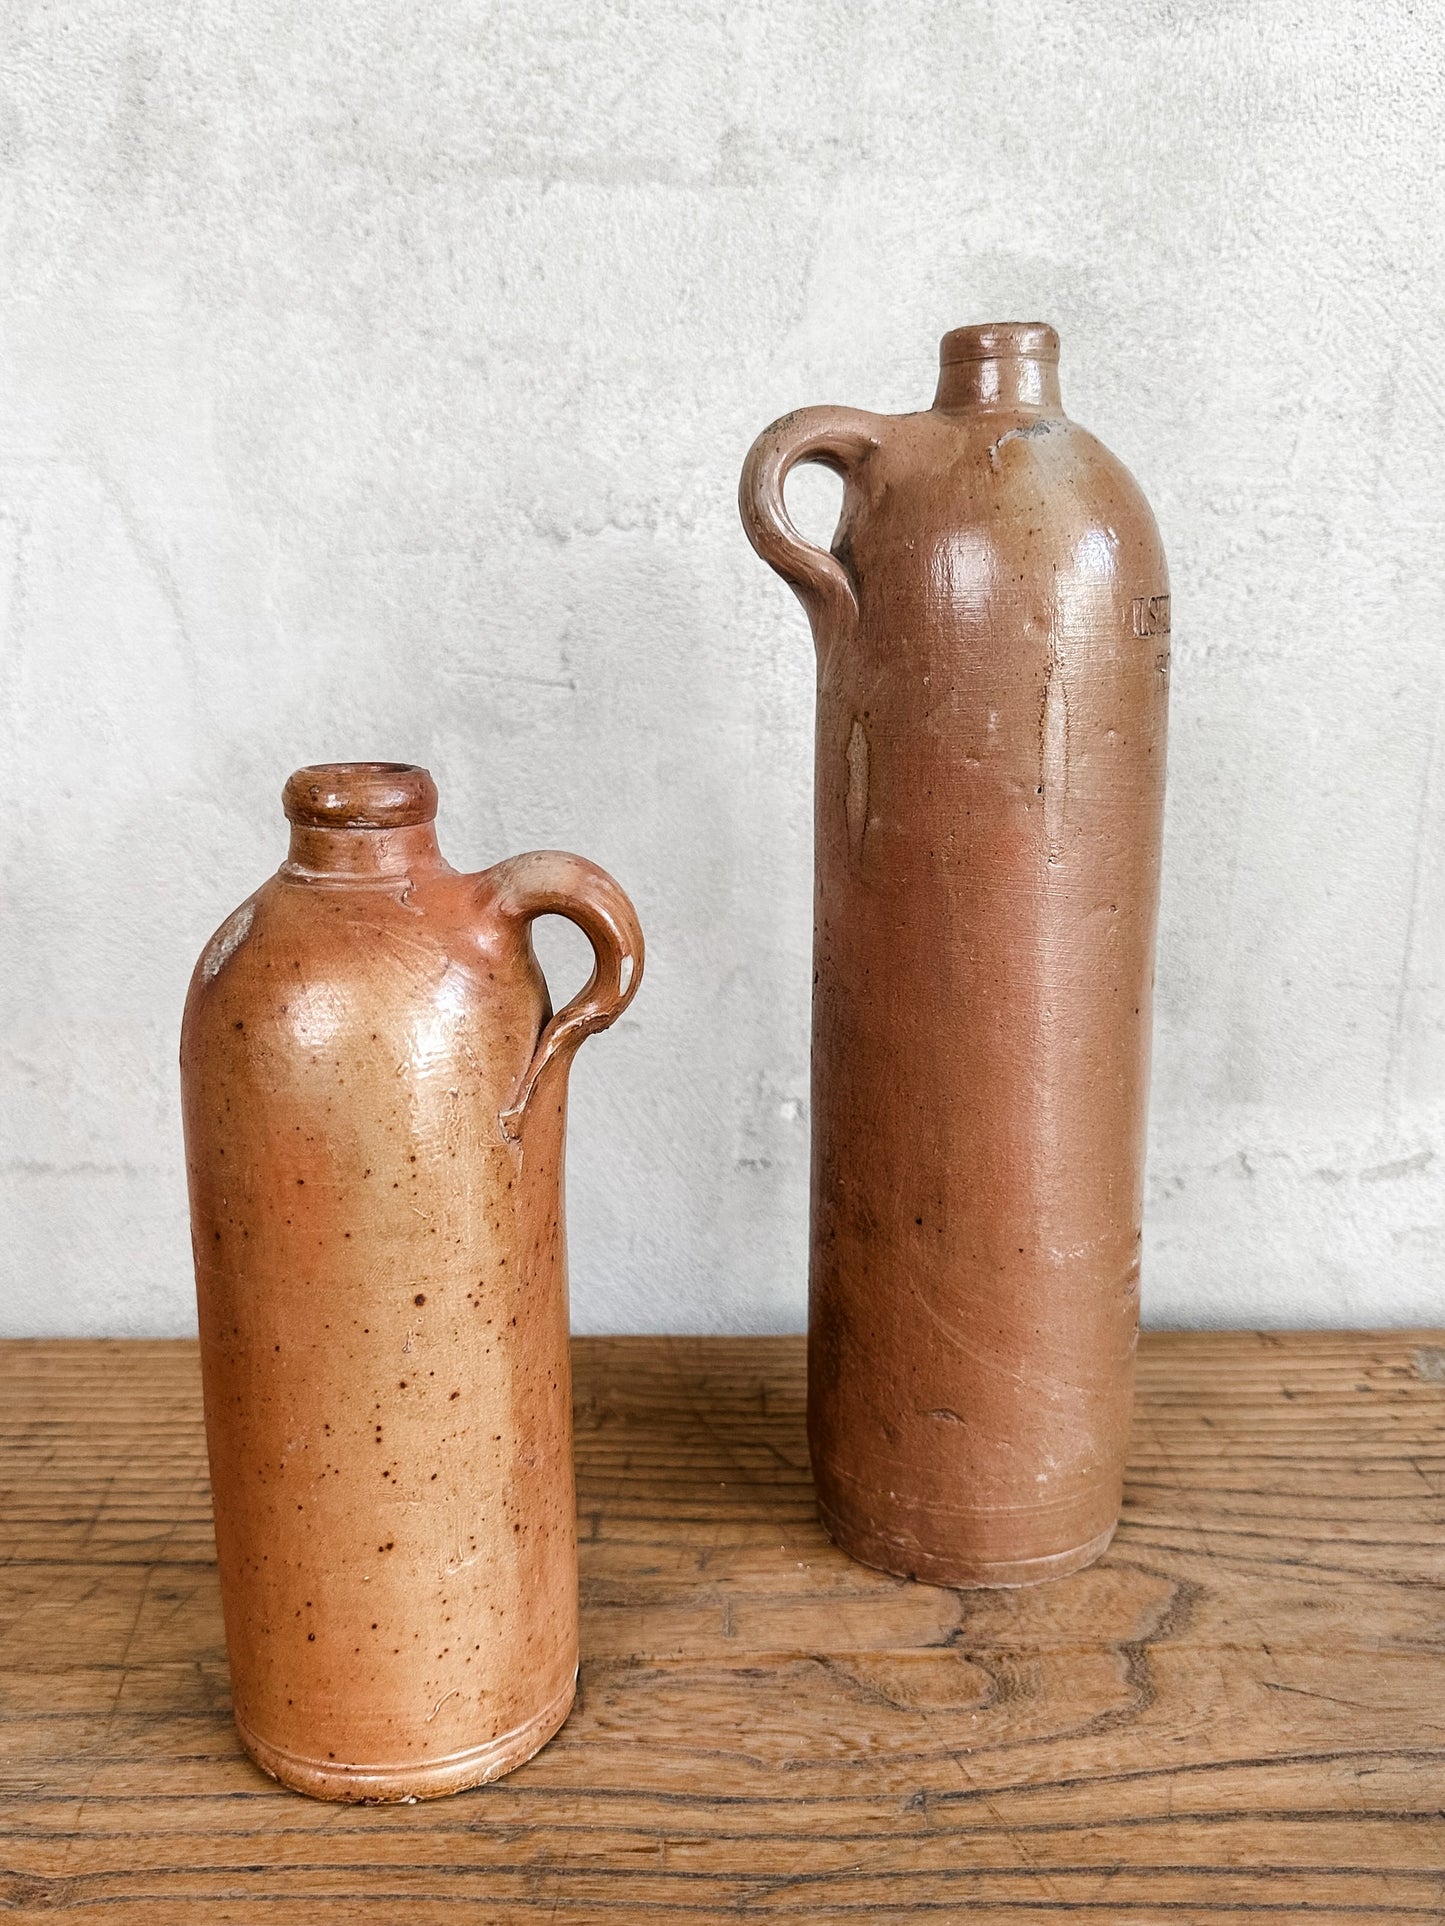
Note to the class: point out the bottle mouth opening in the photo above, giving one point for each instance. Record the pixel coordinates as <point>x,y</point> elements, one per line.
<point>360,795</point>
<point>997,340</point>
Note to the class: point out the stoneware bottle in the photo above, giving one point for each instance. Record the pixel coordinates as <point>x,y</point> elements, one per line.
<point>375,1092</point>
<point>992,629</point>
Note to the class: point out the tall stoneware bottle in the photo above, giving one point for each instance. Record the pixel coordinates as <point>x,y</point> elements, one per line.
<point>375,1091</point>
<point>992,630</point>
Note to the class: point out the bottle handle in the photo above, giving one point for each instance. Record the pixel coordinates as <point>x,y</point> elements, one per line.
<point>548,882</point>
<point>838,438</point>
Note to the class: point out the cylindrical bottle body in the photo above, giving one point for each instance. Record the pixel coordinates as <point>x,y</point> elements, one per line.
<point>989,789</point>
<point>383,1316</point>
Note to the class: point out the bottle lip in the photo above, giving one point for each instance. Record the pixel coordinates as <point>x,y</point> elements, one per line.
<point>992,340</point>
<point>360,795</point>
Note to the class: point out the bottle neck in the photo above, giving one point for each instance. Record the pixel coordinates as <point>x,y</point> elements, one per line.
<point>360,822</point>
<point>1008,364</point>
<point>356,855</point>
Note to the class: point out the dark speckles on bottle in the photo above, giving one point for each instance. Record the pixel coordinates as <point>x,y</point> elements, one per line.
<point>314,1159</point>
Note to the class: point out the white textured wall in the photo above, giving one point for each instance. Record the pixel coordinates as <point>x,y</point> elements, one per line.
<point>376,378</point>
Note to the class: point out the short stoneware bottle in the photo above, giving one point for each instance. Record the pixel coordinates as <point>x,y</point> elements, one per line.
<point>992,630</point>
<point>374,1091</point>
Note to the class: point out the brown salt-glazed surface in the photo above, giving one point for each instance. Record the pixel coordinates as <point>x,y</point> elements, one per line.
<point>992,628</point>
<point>375,1098</point>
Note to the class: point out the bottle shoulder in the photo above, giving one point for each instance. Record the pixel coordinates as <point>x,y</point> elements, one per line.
<point>1024,486</point>
<point>297,960</point>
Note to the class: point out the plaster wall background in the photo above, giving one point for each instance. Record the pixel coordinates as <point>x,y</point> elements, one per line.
<point>375,383</point>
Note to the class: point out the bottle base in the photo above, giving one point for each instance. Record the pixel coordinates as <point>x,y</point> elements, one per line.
<point>380,1785</point>
<point>904,1557</point>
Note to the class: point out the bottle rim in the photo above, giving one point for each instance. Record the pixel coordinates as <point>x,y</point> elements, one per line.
<point>997,340</point>
<point>360,795</point>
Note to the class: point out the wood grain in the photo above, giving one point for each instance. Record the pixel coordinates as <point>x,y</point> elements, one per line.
<point>1238,1716</point>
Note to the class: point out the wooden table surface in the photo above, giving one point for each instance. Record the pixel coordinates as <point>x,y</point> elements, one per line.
<point>1238,1716</point>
